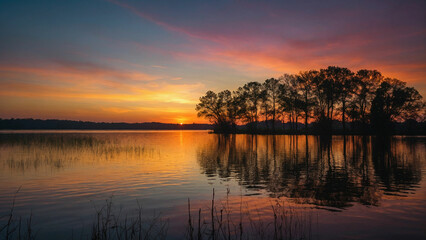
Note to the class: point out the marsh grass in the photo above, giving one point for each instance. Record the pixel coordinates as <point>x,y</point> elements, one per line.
<point>31,151</point>
<point>112,224</point>
<point>221,221</point>
<point>15,227</point>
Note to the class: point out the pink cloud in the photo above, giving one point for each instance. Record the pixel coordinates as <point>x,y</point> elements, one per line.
<point>261,37</point>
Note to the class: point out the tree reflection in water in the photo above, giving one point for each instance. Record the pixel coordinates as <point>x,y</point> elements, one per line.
<point>330,172</point>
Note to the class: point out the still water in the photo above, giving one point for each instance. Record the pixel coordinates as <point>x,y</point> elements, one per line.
<point>351,187</point>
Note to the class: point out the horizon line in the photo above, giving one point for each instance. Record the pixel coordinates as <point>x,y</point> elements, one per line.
<point>56,119</point>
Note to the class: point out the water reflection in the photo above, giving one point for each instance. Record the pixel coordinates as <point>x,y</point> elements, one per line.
<point>326,172</point>
<point>63,174</point>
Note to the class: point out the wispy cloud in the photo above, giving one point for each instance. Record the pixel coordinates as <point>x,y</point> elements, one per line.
<point>290,37</point>
<point>150,60</point>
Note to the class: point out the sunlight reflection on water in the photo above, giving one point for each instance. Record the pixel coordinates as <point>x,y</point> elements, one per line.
<point>358,187</point>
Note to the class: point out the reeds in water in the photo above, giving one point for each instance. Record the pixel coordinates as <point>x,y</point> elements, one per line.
<point>15,227</point>
<point>220,222</point>
<point>111,225</point>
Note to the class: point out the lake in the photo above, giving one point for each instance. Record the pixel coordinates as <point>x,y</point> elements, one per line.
<point>353,187</point>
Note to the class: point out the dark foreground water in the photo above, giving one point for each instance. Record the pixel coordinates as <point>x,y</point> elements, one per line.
<point>351,187</point>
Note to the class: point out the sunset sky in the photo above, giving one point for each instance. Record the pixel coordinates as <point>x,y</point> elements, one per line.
<point>137,61</point>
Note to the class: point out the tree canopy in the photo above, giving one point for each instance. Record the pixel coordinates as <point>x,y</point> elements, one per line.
<point>319,99</point>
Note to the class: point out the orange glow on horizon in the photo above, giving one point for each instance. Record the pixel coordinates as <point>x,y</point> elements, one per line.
<point>156,69</point>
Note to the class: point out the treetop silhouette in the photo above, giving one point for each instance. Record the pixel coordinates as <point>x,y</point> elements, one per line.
<point>322,99</point>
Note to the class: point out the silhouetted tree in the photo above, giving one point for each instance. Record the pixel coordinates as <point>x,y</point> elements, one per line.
<point>305,83</point>
<point>272,88</point>
<point>217,108</point>
<point>290,99</point>
<point>366,84</point>
<point>265,104</point>
<point>328,95</point>
<point>394,101</point>
<point>344,83</point>
<point>252,94</point>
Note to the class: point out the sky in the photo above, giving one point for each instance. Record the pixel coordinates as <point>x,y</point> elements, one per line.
<point>144,61</point>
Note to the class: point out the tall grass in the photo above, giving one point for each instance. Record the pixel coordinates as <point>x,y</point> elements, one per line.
<point>114,225</point>
<point>219,221</point>
<point>32,151</point>
<point>15,227</point>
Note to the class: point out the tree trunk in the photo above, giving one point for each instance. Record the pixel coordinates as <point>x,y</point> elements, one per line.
<point>306,120</point>
<point>306,110</point>
<point>328,109</point>
<point>266,119</point>
<point>283,122</point>
<point>256,119</point>
<point>296,122</point>
<point>343,115</point>
<point>273,116</point>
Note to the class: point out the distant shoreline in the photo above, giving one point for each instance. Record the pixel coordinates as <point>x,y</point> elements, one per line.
<point>96,130</point>
<point>35,131</point>
<point>55,124</point>
<point>52,125</point>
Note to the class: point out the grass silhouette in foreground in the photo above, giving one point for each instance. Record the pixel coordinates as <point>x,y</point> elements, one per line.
<point>218,221</point>
<point>328,99</point>
<point>221,222</point>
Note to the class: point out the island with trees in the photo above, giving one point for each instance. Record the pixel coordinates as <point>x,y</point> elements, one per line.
<point>328,101</point>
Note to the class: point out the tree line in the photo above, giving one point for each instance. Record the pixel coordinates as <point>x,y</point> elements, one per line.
<point>364,101</point>
<point>29,123</point>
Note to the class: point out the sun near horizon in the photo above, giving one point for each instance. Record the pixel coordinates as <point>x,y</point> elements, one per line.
<point>243,119</point>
